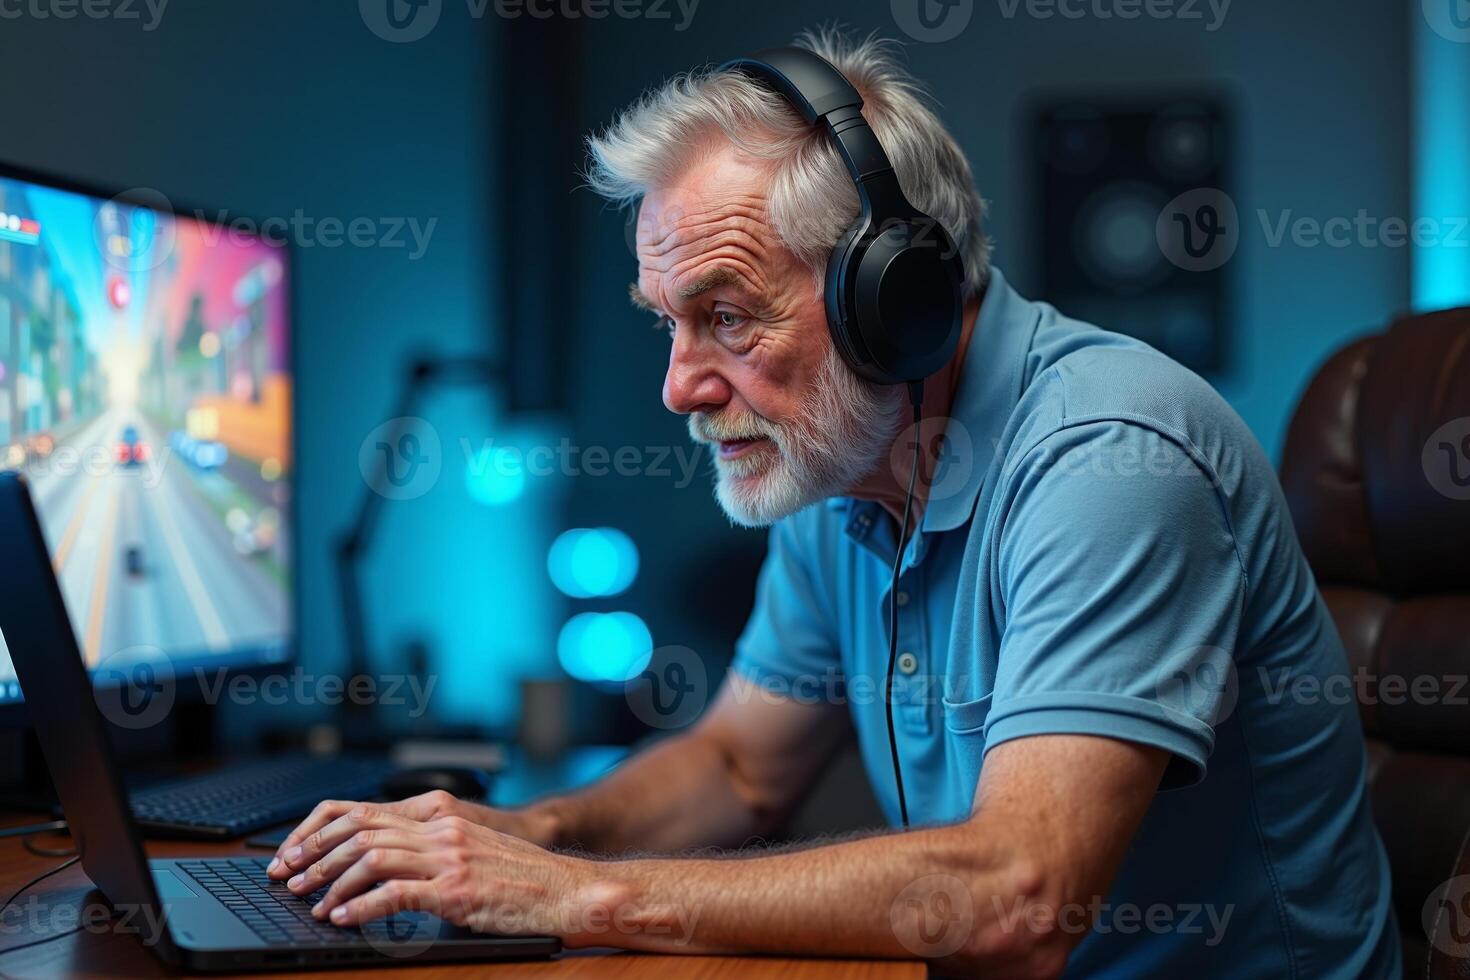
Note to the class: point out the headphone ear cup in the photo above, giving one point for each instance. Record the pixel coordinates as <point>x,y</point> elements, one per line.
<point>903,290</point>
<point>845,255</point>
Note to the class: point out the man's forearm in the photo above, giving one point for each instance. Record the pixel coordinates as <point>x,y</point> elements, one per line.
<point>681,793</point>
<point>944,893</point>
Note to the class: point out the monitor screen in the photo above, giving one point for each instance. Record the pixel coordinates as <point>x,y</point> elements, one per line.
<point>145,391</point>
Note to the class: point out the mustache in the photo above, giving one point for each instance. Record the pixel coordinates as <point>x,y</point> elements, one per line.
<point>722,427</point>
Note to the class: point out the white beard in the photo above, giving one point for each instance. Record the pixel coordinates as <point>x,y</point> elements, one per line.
<point>840,435</point>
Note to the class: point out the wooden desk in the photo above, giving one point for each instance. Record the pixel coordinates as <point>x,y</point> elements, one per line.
<point>107,953</point>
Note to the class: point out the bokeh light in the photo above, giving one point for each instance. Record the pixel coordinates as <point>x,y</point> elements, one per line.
<point>604,647</point>
<point>590,562</point>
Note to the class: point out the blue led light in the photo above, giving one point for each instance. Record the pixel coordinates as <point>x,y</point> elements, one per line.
<point>495,476</point>
<point>1441,95</point>
<point>589,562</point>
<point>604,647</point>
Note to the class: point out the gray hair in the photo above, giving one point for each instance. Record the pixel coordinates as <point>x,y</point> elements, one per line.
<point>812,198</point>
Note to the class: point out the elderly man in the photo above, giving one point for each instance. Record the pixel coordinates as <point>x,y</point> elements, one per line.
<point>1100,609</point>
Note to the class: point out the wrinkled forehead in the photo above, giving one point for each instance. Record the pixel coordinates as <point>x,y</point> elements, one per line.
<point>721,200</point>
<point>676,226</point>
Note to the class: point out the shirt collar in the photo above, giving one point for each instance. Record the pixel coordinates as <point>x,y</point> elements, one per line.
<point>988,390</point>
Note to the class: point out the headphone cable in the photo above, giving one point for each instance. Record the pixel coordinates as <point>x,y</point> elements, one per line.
<point>916,397</point>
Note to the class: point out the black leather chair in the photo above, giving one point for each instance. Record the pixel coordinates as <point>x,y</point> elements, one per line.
<point>1377,473</point>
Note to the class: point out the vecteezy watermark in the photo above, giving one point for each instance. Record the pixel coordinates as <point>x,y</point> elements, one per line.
<point>569,459</point>
<point>146,13</point>
<point>1446,917</point>
<point>944,441</point>
<point>1199,230</point>
<point>932,21</point>
<point>1210,14</point>
<point>302,230</point>
<point>97,460</point>
<point>136,688</point>
<point>1125,918</point>
<point>1446,459</point>
<point>1364,687</point>
<point>405,21</point>
<point>403,458</point>
<point>672,690</point>
<point>37,916</point>
<point>1450,19</point>
<point>1156,460</point>
<point>933,916</point>
<point>135,231</point>
<point>1362,230</point>
<point>1201,681</point>
<point>302,687</point>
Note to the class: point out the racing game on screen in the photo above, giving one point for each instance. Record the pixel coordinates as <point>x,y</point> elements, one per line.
<point>145,394</point>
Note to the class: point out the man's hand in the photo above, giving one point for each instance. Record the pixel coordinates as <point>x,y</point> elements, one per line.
<point>327,822</point>
<point>382,858</point>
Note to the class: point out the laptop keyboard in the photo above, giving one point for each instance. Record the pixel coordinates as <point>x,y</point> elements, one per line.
<point>283,919</point>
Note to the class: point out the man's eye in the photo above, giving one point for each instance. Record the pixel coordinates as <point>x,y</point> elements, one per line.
<point>664,323</point>
<point>724,318</point>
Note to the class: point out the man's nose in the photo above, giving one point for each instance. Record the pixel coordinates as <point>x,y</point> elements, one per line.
<point>692,384</point>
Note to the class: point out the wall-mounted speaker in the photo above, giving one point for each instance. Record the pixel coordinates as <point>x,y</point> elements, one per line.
<point>1134,222</point>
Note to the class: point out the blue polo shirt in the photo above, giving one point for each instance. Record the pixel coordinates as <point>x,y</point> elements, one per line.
<point>1106,551</point>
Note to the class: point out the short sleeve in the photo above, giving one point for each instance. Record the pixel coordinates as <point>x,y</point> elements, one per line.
<point>788,640</point>
<point>1123,591</point>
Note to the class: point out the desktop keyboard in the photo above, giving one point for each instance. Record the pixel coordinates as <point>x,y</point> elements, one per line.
<point>244,797</point>
<point>277,916</point>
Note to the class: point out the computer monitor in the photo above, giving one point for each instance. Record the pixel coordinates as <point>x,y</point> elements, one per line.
<point>145,391</point>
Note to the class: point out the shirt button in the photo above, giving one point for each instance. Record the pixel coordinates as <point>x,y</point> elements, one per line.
<point>903,598</point>
<point>907,663</point>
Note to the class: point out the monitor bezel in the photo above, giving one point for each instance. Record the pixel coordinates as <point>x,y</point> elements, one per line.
<point>248,658</point>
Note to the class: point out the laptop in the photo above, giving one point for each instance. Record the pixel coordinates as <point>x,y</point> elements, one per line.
<point>212,914</point>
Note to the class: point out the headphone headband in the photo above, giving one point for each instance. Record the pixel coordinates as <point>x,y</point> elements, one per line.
<point>823,97</point>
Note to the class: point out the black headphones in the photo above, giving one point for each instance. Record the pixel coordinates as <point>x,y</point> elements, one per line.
<point>894,278</point>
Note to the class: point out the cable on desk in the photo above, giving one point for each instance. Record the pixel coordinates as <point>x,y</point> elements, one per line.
<point>32,829</point>
<point>22,890</point>
<point>30,844</point>
<point>46,939</point>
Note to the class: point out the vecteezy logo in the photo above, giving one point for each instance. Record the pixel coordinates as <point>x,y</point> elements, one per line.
<point>932,21</point>
<point>1203,683</point>
<point>134,231</point>
<point>933,915</point>
<point>1446,459</point>
<point>400,21</point>
<point>1450,19</point>
<point>401,458</point>
<point>1199,230</point>
<point>672,690</point>
<point>405,932</point>
<point>134,687</point>
<point>1446,917</point>
<point>947,442</point>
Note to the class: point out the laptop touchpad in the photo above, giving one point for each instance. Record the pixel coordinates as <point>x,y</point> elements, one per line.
<point>170,885</point>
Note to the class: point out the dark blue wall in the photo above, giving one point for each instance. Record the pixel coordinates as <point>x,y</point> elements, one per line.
<point>268,107</point>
